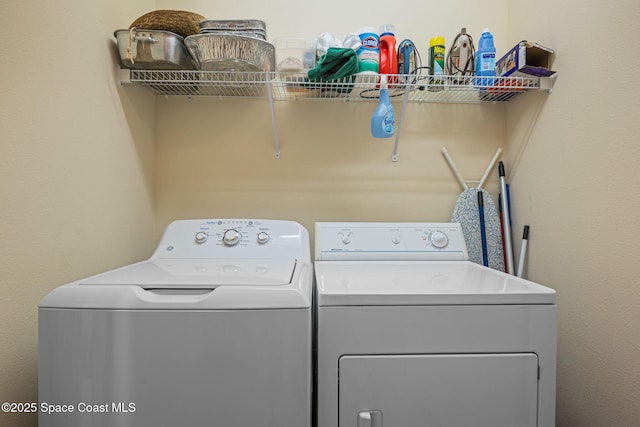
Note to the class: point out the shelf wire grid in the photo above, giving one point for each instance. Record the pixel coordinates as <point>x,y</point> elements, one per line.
<point>285,86</point>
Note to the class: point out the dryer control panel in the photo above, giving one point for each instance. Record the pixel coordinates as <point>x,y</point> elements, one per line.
<point>379,241</point>
<point>234,238</point>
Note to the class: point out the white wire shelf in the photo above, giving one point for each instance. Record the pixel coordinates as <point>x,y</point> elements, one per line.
<point>288,86</point>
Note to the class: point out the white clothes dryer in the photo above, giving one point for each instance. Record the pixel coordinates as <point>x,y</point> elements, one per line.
<point>410,333</point>
<point>215,329</point>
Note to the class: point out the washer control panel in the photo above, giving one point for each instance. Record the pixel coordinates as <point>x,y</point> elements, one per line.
<point>234,232</point>
<point>370,241</point>
<point>233,238</point>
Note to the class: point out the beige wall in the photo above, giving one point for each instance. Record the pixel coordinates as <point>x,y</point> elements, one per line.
<point>576,184</point>
<point>91,172</point>
<point>215,157</point>
<point>76,167</point>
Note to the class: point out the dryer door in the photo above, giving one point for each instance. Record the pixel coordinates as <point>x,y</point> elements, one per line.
<point>444,390</point>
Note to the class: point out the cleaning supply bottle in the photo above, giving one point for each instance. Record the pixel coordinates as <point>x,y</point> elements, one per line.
<point>383,120</point>
<point>369,52</point>
<point>485,59</point>
<point>436,63</point>
<point>388,53</point>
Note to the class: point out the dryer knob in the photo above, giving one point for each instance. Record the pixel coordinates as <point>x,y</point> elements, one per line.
<point>231,237</point>
<point>439,239</point>
<point>346,238</point>
<point>201,237</point>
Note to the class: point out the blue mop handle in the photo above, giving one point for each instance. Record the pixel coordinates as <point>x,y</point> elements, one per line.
<point>483,231</point>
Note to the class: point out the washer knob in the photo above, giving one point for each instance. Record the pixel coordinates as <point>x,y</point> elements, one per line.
<point>201,237</point>
<point>231,237</point>
<point>263,237</point>
<point>439,239</point>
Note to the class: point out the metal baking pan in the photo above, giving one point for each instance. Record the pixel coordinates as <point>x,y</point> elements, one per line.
<point>238,27</point>
<point>234,25</point>
<point>153,50</point>
<point>255,34</point>
<point>215,52</point>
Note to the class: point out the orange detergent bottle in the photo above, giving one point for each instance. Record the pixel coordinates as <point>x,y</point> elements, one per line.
<point>388,52</point>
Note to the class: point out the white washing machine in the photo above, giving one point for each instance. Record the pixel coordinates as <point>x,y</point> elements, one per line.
<point>215,329</point>
<point>411,334</point>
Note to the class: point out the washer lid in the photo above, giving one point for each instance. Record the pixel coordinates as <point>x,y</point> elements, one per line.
<point>344,283</point>
<point>191,284</point>
<point>199,273</point>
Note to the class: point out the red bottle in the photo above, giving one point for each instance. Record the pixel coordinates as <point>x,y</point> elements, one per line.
<point>388,52</point>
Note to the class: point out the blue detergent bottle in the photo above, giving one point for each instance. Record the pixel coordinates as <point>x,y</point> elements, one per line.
<point>384,119</point>
<point>485,59</point>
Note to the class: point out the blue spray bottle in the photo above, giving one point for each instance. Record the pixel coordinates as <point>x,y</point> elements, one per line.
<point>383,120</point>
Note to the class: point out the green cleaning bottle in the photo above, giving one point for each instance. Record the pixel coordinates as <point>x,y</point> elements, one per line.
<point>383,120</point>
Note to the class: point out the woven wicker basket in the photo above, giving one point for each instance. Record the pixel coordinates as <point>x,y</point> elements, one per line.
<point>177,21</point>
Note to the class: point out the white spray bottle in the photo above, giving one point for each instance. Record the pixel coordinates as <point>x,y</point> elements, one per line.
<point>383,120</point>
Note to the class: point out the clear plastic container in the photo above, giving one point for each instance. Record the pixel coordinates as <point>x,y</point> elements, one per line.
<point>295,55</point>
